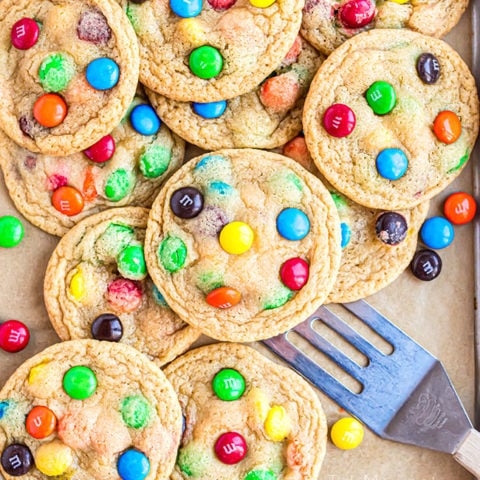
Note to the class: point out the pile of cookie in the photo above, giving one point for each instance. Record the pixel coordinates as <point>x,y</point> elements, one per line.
<point>241,243</point>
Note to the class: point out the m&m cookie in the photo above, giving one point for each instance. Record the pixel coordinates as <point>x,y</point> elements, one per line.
<point>96,286</point>
<point>328,23</point>
<point>68,72</point>
<point>391,119</point>
<point>88,409</point>
<point>211,50</point>
<point>266,117</point>
<point>246,418</point>
<point>243,244</point>
<point>125,167</point>
<point>377,246</point>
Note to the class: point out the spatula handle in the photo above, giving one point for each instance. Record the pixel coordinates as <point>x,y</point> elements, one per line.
<point>468,455</point>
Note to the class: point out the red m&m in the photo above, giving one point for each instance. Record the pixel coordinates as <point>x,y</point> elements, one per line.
<point>25,33</point>
<point>294,273</point>
<point>460,208</point>
<point>230,448</point>
<point>357,13</point>
<point>14,336</point>
<point>339,120</point>
<point>101,151</point>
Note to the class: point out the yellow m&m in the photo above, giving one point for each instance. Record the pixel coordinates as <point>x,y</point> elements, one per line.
<point>277,424</point>
<point>53,458</point>
<point>347,433</point>
<point>193,31</point>
<point>262,3</point>
<point>236,238</point>
<point>77,285</point>
<point>401,2</point>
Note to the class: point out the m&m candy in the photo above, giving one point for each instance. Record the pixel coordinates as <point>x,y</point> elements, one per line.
<point>41,422</point>
<point>447,127</point>
<point>102,150</point>
<point>24,33</point>
<point>133,465</point>
<point>206,62</point>
<point>460,208</point>
<point>437,233</point>
<point>53,458</point>
<point>102,73</point>
<point>17,459</point>
<point>339,120</point>
<point>172,253</point>
<point>50,110</point>
<point>186,8</point>
<point>223,297</point>
<point>346,234</point>
<point>56,71</point>
<point>211,109</point>
<point>11,231</point>
<point>428,68</point>
<point>392,163</point>
<point>124,295</point>
<point>107,327</point>
<point>426,265</point>
<point>347,433</point>
<point>186,202</point>
<point>67,200</point>
<point>293,224</point>
<point>381,97</point>
<point>80,382</point>
<point>144,120</point>
<point>260,475</point>
<point>391,228</point>
<point>119,184</point>
<point>228,384</point>
<point>131,262</point>
<point>14,336</point>
<point>277,424</point>
<point>236,237</point>
<point>294,273</point>
<point>357,13</point>
<point>230,448</point>
<point>262,3</point>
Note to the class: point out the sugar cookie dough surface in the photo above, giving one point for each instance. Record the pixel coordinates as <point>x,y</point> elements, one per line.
<point>91,113</point>
<point>323,27</point>
<point>187,262</point>
<point>297,453</point>
<point>88,255</point>
<point>251,40</point>
<point>133,406</point>
<point>349,163</point>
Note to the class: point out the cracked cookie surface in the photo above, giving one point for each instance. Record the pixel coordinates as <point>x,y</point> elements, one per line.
<point>96,286</point>
<point>431,127</point>
<point>225,227</point>
<point>273,409</point>
<point>71,86</point>
<point>90,406</point>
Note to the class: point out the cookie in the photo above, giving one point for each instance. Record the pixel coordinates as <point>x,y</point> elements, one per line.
<point>68,72</point>
<point>266,117</point>
<point>243,244</point>
<point>96,286</point>
<point>206,51</point>
<point>127,167</point>
<point>370,261</point>
<point>391,120</point>
<point>234,401</point>
<point>328,23</point>
<point>88,410</point>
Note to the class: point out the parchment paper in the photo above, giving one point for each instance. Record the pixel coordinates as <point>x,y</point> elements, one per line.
<point>438,314</point>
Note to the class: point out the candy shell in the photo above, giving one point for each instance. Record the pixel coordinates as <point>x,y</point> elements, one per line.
<point>14,336</point>
<point>347,433</point>
<point>11,231</point>
<point>230,448</point>
<point>437,233</point>
<point>460,208</point>
<point>102,73</point>
<point>223,297</point>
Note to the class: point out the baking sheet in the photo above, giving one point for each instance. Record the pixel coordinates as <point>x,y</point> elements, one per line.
<point>438,314</point>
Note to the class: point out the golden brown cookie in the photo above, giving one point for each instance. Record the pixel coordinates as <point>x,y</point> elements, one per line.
<point>233,400</point>
<point>68,72</point>
<point>266,117</point>
<point>96,286</point>
<point>328,23</point>
<point>88,410</point>
<point>127,167</point>
<point>391,120</point>
<point>206,51</point>
<point>243,244</point>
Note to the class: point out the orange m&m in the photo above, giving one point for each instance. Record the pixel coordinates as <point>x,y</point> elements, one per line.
<point>223,297</point>
<point>447,127</point>
<point>41,422</point>
<point>50,110</point>
<point>460,208</point>
<point>67,200</point>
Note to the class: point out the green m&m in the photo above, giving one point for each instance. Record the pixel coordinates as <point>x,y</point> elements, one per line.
<point>135,411</point>
<point>381,97</point>
<point>206,62</point>
<point>119,184</point>
<point>56,71</point>
<point>260,475</point>
<point>80,382</point>
<point>228,385</point>
<point>11,231</point>
<point>154,161</point>
<point>131,263</point>
<point>172,254</point>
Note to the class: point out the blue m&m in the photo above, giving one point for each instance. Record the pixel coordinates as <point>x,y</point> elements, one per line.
<point>186,8</point>
<point>133,465</point>
<point>102,73</point>
<point>293,224</point>
<point>392,163</point>
<point>145,120</point>
<point>210,110</point>
<point>346,234</point>
<point>437,233</point>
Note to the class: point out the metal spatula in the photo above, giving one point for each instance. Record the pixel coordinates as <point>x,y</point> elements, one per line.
<point>406,397</point>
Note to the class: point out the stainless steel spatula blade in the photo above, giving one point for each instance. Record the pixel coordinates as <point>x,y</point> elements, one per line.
<point>406,396</point>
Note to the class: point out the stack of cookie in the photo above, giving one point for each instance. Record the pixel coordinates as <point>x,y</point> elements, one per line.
<point>97,100</point>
